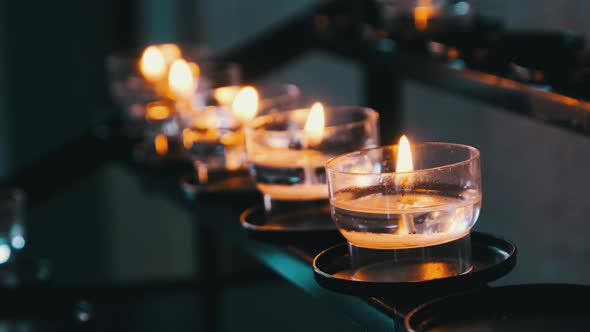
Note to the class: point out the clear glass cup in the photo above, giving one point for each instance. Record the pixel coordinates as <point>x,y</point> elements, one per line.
<point>289,173</point>
<point>214,138</point>
<point>131,92</point>
<point>407,226</point>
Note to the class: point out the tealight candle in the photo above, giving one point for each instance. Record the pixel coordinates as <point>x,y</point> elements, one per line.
<point>403,208</point>
<point>213,135</point>
<point>287,150</point>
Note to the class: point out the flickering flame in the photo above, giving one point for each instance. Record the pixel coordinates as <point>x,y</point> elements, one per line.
<point>152,64</point>
<point>422,14</point>
<point>226,94</point>
<point>404,162</point>
<point>181,80</point>
<point>157,111</point>
<point>245,104</point>
<point>161,144</point>
<point>313,132</point>
<point>170,52</point>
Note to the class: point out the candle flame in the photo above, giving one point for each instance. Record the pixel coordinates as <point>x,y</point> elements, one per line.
<point>181,80</point>
<point>170,52</point>
<point>404,162</point>
<point>226,94</point>
<point>313,132</point>
<point>245,104</point>
<point>157,111</point>
<point>152,64</point>
<point>422,14</point>
<point>161,144</point>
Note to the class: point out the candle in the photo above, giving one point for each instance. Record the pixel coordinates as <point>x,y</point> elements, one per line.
<point>421,208</point>
<point>287,150</point>
<point>152,64</point>
<point>181,82</point>
<point>422,13</point>
<point>214,139</point>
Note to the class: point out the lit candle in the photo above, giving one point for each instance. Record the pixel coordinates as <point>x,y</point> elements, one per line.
<point>422,13</point>
<point>170,52</point>
<point>245,104</point>
<point>287,150</point>
<point>392,212</point>
<point>181,82</point>
<point>215,139</point>
<point>152,64</point>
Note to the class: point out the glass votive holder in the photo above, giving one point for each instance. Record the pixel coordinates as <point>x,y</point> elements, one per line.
<point>131,88</point>
<point>403,225</point>
<point>213,136</point>
<point>161,132</point>
<point>288,168</point>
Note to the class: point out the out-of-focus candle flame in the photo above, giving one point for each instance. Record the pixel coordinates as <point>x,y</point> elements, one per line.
<point>152,64</point>
<point>180,80</point>
<point>422,13</point>
<point>226,94</point>
<point>313,131</point>
<point>170,52</point>
<point>161,144</point>
<point>404,162</point>
<point>245,104</point>
<point>157,111</point>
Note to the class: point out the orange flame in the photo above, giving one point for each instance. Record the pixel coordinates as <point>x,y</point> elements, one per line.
<point>313,131</point>
<point>161,144</point>
<point>180,80</point>
<point>152,64</point>
<point>245,104</point>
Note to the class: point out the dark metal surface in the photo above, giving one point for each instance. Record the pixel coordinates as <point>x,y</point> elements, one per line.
<point>532,307</point>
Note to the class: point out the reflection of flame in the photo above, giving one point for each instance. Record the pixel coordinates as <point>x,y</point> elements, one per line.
<point>313,131</point>
<point>226,94</point>
<point>157,111</point>
<point>161,144</point>
<point>181,80</point>
<point>422,14</point>
<point>188,138</point>
<point>245,104</point>
<point>171,52</point>
<point>152,64</point>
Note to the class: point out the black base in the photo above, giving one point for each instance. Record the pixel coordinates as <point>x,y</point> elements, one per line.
<point>492,258</point>
<point>295,226</point>
<point>533,307</point>
<point>217,182</point>
<point>141,155</point>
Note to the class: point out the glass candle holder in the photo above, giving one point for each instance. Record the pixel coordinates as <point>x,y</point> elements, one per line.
<point>131,89</point>
<point>213,136</point>
<point>289,171</point>
<point>407,226</point>
<point>161,131</point>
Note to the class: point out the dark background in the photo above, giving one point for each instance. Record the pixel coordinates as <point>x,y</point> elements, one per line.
<point>53,81</point>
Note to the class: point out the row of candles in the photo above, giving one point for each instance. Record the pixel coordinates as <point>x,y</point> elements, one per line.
<point>382,198</point>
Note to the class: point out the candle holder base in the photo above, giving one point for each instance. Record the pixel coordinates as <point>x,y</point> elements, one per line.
<point>289,226</point>
<point>529,307</point>
<point>142,155</point>
<point>217,182</point>
<point>491,258</point>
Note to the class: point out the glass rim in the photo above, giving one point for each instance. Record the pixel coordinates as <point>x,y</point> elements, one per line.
<point>371,115</point>
<point>475,154</point>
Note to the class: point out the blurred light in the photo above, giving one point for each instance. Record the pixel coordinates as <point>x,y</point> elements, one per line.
<point>461,8</point>
<point>4,253</point>
<point>18,242</point>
